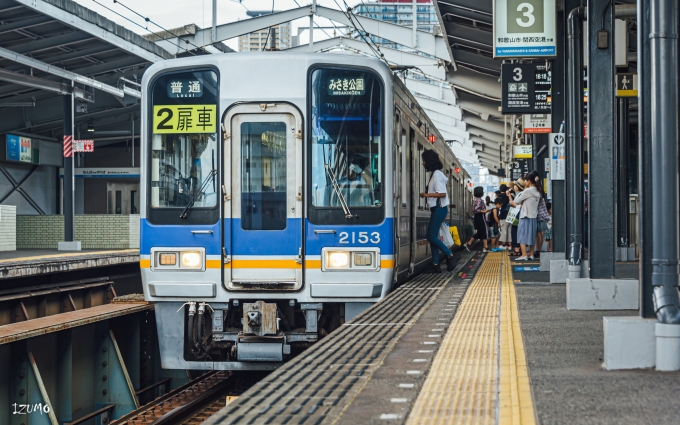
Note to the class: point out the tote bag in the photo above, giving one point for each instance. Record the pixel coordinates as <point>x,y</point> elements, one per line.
<point>513,216</point>
<point>445,235</point>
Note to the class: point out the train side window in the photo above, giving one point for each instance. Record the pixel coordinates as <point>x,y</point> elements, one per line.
<point>405,149</point>
<point>422,178</point>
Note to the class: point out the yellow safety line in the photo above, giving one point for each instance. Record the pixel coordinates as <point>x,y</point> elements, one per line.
<point>473,378</point>
<point>516,404</point>
<point>69,254</point>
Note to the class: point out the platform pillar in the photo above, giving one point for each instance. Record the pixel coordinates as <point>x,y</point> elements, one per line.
<point>601,141</point>
<point>69,243</point>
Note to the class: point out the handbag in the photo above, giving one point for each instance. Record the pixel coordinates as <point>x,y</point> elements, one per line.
<point>543,211</point>
<point>445,235</point>
<point>513,216</point>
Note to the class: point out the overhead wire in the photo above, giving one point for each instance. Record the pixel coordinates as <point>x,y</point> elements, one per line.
<point>142,26</point>
<point>362,33</point>
<point>147,19</point>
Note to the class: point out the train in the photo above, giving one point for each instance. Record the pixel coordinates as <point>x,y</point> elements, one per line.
<point>279,199</point>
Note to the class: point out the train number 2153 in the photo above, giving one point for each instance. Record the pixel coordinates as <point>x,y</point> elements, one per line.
<point>361,237</point>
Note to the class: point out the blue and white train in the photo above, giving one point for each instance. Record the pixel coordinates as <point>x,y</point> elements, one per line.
<point>280,199</point>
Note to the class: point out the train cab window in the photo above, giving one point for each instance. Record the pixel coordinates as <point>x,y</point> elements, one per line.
<point>184,150</point>
<point>263,175</point>
<point>346,147</point>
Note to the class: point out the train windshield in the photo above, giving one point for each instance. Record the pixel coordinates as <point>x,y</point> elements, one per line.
<point>184,156</point>
<point>346,150</point>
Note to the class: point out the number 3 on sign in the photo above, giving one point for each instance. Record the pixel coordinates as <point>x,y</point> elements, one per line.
<point>528,12</point>
<point>360,237</point>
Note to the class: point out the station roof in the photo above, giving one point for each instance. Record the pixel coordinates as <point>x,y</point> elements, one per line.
<point>65,36</point>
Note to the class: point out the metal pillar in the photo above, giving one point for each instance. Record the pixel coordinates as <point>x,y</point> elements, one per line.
<point>622,218</point>
<point>558,190</point>
<point>645,230</point>
<point>601,142</point>
<point>69,183</point>
<point>663,33</point>
<point>574,136</point>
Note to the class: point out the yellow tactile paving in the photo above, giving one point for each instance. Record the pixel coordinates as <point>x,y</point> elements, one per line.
<point>516,404</point>
<point>473,379</point>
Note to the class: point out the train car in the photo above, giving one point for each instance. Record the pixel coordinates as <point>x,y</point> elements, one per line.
<point>279,200</point>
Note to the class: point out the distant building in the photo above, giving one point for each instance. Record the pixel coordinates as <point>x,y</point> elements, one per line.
<point>399,12</point>
<point>257,41</point>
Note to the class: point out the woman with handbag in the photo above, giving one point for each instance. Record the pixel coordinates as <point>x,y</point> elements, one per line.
<point>528,199</point>
<point>438,202</point>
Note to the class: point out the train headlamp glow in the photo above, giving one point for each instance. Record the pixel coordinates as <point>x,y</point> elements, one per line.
<point>337,259</point>
<point>191,259</point>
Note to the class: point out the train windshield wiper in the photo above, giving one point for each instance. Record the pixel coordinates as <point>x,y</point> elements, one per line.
<point>200,190</point>
<point>336,188</point>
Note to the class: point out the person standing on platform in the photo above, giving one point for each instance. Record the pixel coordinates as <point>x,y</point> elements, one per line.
<point>438,202</point>
<point>491,224</point>
<point>542,218</point>
<point>528,199</point>
<point>505,228</point>
<point>481,231</point>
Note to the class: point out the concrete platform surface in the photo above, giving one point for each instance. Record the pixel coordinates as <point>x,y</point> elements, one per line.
<point>565,352</point>
<point>33,262</point>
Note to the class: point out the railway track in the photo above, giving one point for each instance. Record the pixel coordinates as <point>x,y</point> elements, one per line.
<point>194,402</point>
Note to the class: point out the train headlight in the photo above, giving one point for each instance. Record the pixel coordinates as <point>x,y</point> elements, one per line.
<point>191,259</point>
<point>178,259</point>
<point>351,259</point>
<point>337,259</point>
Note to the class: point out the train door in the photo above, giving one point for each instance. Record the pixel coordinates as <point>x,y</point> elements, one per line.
<point>404,204</point>
<point>263,201</point>
<point>415,194</point>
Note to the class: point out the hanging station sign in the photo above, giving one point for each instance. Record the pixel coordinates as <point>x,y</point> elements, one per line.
<point>524,29</point>
<point>537,123</point>
<point>525,88</point>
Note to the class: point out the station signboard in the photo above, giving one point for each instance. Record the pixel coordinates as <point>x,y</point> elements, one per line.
<point>524,29</point>
<point>83,146</point>
<point>537,124</point>
<point>557,157</point>
<point>21,149</point>
<point>626,85</point>
<point>526,88</point>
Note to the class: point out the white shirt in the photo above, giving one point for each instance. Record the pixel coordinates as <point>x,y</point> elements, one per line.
<point>438,185</point>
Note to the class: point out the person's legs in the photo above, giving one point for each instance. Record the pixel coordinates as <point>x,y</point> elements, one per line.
<point>539,241</point>
<point>523,247</point>
<point>436,218</point>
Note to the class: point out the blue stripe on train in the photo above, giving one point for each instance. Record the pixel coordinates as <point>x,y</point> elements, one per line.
<point>271,242</point>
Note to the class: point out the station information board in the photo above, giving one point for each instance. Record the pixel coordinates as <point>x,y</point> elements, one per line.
<point>525,88</point>
<point>524,29</point>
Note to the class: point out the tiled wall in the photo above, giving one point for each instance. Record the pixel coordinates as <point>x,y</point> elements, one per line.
<point>93,231</point>
<point>8,224</point>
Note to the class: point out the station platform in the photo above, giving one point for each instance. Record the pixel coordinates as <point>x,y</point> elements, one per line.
<point>23,263</point>
<point>483,345</point>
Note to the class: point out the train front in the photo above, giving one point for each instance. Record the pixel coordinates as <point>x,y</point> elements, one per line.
<point>265,223</point>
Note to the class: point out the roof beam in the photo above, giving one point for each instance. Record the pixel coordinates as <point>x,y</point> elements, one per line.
<point>440,91</point>
<point>476,82</point>
<point>447,109</point>
<point>464,57</point>
<point>50,42</point>
<point>105,30</point>
<point>23,24</point>
<point>40,83</point>
<point>469,36</point>
<point>77,78</point>
<point>496,137</point>
<point>488,125</point>
<point>429,66</point>
<point>425,42</point>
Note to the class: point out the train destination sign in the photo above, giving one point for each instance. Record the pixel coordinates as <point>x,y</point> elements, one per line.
<point>172,119</point>
<point>346,87</point>
<point>524,29</point>
<point>525,88</point>
<point>179,88</point>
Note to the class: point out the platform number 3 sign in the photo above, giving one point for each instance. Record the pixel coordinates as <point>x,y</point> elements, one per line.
<point>525,16</point>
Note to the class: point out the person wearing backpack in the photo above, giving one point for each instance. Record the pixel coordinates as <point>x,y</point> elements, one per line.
<point>505,227</point>
<point>481,231</point>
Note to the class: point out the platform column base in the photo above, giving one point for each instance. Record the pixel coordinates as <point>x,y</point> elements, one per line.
<point>602,294</point>
<point>69,246</point>
<point>667,347</point>
<point>559,270</point>
<point>629,343</point>
<point>546,257</point>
